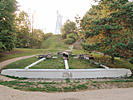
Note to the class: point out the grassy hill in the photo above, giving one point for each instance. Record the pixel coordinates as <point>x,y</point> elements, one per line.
<point>54,42</point>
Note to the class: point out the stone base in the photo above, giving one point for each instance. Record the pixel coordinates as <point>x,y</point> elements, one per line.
<point>67,73</point>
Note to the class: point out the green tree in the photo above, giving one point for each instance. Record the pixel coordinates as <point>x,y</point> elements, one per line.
<point>68,28</point>
<point>38,37</point>
<point>24,37</point>
<point>23,34</point>
<point>7,30</point>
<point>47,35</point>
<point>110,31</point>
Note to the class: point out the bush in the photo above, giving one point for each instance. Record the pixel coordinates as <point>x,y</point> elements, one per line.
<point>47,35</point>
<point>131,60</point>
<point>73,36</point>
<point>69,41</point>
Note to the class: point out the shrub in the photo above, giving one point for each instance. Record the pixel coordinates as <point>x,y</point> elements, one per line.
<point>47,35</point>
<point>69,41</point>
<point>131,60</point>
<point>73,36</point>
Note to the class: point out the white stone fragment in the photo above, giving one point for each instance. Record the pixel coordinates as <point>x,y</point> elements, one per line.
<point>35,63</point>
<point>54,57</point>
<point>66,64</point>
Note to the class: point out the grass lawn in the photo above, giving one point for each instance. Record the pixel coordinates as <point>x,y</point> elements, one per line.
<point>73,63</point>
<point>54,42</point>
<point>67,86</point>
<point>52,64</point>
<point>19,52</point>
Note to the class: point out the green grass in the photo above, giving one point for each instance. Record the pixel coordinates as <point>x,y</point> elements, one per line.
<point>73,63</point>
<point>21,64</point>
<point>80,64</point>
<point>19,52</point>
<point>118,63</point>
<point>54,42</point>
<point>106,60</point>
<point>70,86</point>
<point>51,64</point>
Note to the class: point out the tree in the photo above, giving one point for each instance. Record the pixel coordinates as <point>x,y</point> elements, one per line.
<point>24,37</point>
<point>38,37</point>
<point>110,30</point>
<point>23,30</point>
<point>7,30</point>
<point>68,28</point>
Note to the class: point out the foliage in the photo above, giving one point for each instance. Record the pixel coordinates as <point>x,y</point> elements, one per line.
<point>7,15</point>
<point>69,40</point>
<point>68,28</point>
<point>24,37</point>
<point>73,36</point>
<point>23,30</point>
<point>68,80</point>
<point>107,28</point>
<point>131,60</point>
<point>52,44</point>
<point>47,35</point>
<point>38,38</point>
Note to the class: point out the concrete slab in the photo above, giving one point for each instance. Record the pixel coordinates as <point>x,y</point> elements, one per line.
<point>67,73</point>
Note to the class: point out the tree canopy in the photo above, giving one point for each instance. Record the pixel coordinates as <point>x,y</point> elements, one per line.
<point>68,28</point>
<point>25,38</point>
<point>7,30</point>
<point>69,32</point>
<point>107,28</point>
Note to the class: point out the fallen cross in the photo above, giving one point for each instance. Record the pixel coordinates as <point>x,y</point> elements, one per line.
<point>104,72</point>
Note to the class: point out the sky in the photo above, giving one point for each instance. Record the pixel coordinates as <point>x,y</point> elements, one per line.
<point>45,11</point>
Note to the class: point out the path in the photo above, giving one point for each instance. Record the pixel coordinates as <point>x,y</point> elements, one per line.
<point>7,93</point>
<point>6,62</point>
<point>71,47</point>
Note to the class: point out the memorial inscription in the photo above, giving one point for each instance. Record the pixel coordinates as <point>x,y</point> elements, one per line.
<point>67,75</point>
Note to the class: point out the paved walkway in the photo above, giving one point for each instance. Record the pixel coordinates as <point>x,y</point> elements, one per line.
<point>6,62</point>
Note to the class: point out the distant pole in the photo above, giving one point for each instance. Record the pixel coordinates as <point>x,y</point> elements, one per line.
<point>32,28</point>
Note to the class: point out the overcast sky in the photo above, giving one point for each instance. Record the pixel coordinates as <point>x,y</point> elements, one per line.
<point>46,11</point>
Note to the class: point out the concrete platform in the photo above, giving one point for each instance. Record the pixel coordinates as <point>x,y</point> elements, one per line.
<point>67,73</point>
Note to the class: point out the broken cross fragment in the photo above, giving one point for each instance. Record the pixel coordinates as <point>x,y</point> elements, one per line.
<point>65,55</point>
<point>47,55</point>
<point>84,56</point>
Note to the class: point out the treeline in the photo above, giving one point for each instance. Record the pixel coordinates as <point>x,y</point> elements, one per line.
<point>26,37</point>
<point>16,30</point>
<point>107,28</point>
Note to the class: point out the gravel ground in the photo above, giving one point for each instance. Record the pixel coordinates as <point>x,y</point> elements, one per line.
<point>7,93</point>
